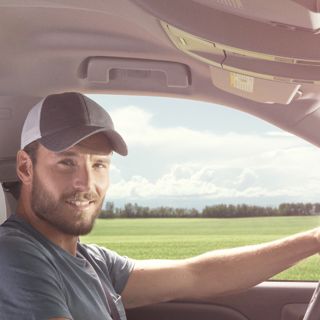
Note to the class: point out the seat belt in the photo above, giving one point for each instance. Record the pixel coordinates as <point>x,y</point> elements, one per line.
<point>113,308</point>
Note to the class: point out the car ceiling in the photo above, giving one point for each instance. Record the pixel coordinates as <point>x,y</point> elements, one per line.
<point>260,57</point>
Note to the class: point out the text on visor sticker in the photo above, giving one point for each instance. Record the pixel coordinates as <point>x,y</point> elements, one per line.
<point>241,82</point>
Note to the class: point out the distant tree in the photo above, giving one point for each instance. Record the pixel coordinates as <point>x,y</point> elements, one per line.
<point>108,211</point>
<point>129,210</point>
<point>316,208</point>
<point>109,208</point>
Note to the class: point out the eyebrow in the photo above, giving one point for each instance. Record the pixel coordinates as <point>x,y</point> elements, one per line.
<point>67,154</point>
<point>105,160</point>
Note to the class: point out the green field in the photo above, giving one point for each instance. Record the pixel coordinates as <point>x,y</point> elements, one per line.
<point>180,238</point>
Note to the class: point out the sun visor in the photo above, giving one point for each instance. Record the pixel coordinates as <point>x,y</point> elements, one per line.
<point>257,76</point>
<point>253,88</point>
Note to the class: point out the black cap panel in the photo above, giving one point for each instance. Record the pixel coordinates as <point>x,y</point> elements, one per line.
<point>62,111</point>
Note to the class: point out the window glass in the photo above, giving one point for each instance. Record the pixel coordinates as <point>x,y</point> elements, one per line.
<point>3,213</point>
<point>200,177</point>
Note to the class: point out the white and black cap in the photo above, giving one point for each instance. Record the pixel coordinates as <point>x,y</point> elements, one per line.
<point>60,121</point>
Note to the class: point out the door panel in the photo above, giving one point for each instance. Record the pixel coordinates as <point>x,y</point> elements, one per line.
<point>186,311</point>
<point>294,311</point>
<point>274,300</point>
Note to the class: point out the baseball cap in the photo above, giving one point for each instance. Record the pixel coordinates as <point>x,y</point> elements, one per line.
<point>60,121</point>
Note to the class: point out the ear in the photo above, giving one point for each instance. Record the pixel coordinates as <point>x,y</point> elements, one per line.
<point>24,167</point>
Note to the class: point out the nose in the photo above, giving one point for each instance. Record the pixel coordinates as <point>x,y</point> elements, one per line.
<point>82,178</point>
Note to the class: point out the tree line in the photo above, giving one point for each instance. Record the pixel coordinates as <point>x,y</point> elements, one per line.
<point>131,210</point>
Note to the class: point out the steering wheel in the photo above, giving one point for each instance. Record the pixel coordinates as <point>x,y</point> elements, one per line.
<point>312,312</point>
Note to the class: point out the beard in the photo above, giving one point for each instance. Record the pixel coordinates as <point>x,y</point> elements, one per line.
<point>61,215</point>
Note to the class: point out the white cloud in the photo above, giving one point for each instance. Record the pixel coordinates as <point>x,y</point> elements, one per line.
<point>207,165</point>
<point>211,182</point>
<point>279,134</point>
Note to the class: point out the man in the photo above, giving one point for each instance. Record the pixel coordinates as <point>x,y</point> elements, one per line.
<point>46,273</point>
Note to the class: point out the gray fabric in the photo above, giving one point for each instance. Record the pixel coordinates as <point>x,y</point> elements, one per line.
<point>39,280</point>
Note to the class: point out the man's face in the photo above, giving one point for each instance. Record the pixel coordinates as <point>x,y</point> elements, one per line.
<point>68,188</point>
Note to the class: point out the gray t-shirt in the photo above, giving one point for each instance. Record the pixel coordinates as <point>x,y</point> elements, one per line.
<point>39,280</point>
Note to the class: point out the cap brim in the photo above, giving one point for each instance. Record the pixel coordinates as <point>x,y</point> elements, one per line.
<point>65,139</point>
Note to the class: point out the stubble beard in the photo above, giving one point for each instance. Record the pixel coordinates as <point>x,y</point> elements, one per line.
<point>58,215</point>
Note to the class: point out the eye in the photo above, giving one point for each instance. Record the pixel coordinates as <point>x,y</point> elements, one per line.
<point>100,165</point>
<point>67,162</point>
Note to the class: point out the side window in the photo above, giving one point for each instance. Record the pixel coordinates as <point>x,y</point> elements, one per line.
<point>3,211</point>
<point>200,177</point>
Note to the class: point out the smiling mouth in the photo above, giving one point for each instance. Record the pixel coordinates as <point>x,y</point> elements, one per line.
<point>83,204</point>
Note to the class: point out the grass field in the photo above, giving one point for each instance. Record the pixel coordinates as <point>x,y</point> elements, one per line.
<point>180,238</point>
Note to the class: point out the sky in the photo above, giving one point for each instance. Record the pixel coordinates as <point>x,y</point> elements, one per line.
<point>191,154</point>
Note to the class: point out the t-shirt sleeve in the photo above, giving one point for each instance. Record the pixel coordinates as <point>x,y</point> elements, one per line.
<point>30,287</point>
<point>119,267</point>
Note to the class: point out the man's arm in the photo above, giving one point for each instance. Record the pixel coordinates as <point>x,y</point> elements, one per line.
<point>217,272</point>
